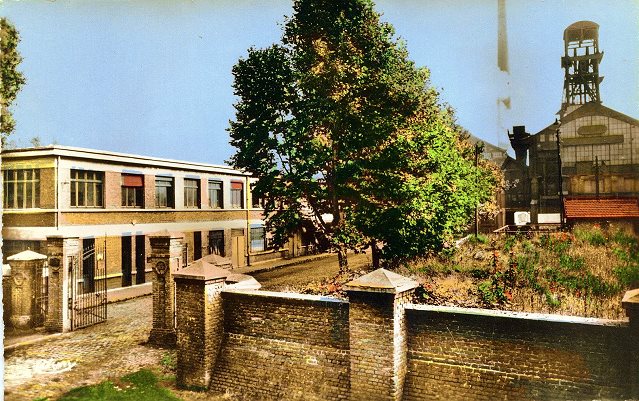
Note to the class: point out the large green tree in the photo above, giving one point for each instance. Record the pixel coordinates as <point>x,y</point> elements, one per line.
<point>343,130</point>
<point>12,79</point>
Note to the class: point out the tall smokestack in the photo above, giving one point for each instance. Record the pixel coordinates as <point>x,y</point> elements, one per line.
<point>502,37</point>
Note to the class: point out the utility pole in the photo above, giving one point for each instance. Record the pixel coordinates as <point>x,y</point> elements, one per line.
<point>559,177</point>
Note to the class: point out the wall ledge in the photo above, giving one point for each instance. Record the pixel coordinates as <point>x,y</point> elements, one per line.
<point>285,295</point>
<point>546,317</point>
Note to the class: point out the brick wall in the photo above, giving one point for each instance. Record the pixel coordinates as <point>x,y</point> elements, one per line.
<point>377,346</point>
<point>190,337</point>
<point>47,188</point>
<point>485,356</point>
<point>283,348</point>
<point>149,191</point>
<point>112,190</point>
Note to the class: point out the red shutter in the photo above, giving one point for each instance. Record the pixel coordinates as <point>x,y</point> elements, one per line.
<point>132,180</point>
<point>236,185</point>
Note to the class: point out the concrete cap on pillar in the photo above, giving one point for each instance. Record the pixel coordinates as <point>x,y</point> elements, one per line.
<point>239,281</point>
<point>381,280</point>
<point>202,270</point>
<point>630,301</point>
<point>27,256</point>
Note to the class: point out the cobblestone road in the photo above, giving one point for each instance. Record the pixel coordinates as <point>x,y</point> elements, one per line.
<point>87,356</point>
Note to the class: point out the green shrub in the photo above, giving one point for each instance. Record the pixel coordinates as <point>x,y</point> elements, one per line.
<point>628,275</point>
<point>572,263</point>
<point>478,239</point>
<point>590,234</point>
<point>509,243</point>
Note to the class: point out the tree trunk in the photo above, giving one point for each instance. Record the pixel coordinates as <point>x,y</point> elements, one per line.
<point>375,254</point>
<point>343,261</point>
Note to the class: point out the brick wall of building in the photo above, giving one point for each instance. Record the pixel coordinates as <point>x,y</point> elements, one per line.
<point>283,348</point>
<point>482,356</point>
<point>112,190</point>
<point>149,191</point>
<point>47,188</point>
<point>148,216</point>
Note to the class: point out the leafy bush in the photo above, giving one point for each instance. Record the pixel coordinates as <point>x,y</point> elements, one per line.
<point>478,239</point>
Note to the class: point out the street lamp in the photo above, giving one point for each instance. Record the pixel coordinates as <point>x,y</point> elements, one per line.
<point>559,177</point>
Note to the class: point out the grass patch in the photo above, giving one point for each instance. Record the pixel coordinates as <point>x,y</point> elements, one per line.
<point>142,385</point>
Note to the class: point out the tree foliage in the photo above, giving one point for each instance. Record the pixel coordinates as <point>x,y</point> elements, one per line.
<point>12,79</point>
<point>337,121</point>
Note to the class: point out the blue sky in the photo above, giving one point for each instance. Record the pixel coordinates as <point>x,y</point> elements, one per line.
<point>154,77</point>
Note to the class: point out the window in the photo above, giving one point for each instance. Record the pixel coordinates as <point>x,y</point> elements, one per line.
<point>215,194</point>
<point>216,242</point>
<point>86,188</point>
<point>132,190</point>
<point>164,192</point>
<point>21,188</point>
<point>237,195</point>
<point>191,193</point>
<point>258,239</point>
<point>256,202</point>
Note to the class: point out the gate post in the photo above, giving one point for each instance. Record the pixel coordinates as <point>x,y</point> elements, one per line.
<point>377,330</point>
<point>200,322</point>
<point>62,253</point>
<point>165,259</point>
<point>23,275</point>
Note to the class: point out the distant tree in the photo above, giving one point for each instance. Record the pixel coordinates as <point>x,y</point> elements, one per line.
<point>337,122</point>
<point>35,141</point>
<point>12,79</point>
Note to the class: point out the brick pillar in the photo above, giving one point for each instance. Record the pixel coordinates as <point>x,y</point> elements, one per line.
<point>377,332</point>
<point>200,322</point>
<point>630,303</point>
<point>23,276</point>
<point>63,256</point>
<point>165,259</point>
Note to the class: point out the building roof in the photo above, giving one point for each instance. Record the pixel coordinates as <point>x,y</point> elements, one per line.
<point>598,109</point>
<point>114,157</point>
<point>602,208</point>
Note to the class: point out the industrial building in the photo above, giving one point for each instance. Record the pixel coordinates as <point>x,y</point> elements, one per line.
<point>590,151</point>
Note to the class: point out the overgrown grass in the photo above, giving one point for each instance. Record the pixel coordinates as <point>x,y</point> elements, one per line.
<point>584,272</point>
<point>142,385</point>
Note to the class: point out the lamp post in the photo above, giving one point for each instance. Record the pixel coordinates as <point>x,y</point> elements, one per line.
<point>478,149</point>
<point>559,177</point>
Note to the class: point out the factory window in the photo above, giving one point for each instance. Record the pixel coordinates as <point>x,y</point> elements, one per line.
<point>258,239</point>
<point>191,193</point>
<point>132,190</point>
<point>237,195</point>
<point>216,200</point>
<point>164,192</point>
<point>86,188</point>
<point>21,188</point>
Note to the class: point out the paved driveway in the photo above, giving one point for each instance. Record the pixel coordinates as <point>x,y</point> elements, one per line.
<point>87,356</point>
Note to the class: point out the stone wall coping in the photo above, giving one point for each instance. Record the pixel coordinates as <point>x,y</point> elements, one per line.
<point>285,295</point>
<point>631,300</point>
<point>26,256</point>
<point>544,317</point>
